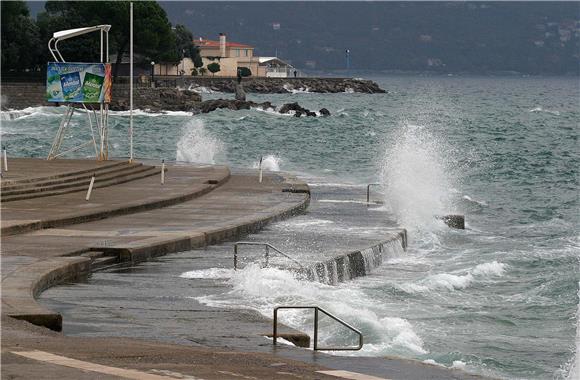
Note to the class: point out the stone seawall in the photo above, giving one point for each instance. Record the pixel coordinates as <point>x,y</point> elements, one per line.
<point>357,263</point>
<point>23,95</point>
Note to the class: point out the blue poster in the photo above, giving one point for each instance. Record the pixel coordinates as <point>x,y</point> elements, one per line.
<point>71,87</point>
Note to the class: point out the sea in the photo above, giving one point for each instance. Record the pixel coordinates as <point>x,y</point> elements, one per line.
<point>500,298</point>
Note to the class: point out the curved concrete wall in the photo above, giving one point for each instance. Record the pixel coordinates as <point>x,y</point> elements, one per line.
<point>356,263</point>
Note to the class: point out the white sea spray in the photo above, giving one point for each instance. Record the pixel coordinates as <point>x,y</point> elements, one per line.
<point>197,145</point>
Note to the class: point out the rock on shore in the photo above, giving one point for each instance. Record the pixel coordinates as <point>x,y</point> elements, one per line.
<point>288,108</point>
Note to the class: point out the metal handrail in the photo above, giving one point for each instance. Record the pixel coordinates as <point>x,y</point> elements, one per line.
<point>369,190</point>
<point>266,255</point>
<point>315,345</point>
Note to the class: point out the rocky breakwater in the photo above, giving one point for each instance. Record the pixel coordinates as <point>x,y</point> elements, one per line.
<point>286,85</point>
<point>236,105</point>
<point>154,99</point>
<point>23,95</point>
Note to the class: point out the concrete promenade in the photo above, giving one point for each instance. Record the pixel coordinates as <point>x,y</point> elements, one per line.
<point>47,240</point>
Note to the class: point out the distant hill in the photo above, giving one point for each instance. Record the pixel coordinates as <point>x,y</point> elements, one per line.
<point>477,37</point>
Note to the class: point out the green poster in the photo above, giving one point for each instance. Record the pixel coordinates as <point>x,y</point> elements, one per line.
<point>92,86</point>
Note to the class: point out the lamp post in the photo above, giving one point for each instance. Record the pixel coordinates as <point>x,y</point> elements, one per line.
<point>182,62</point>
<point>347,53</point>
<point>152,74</point>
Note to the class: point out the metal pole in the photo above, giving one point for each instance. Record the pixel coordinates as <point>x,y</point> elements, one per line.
<point>131,92</point>
<point>315,346</point>
<point>107,51</point>
<point>163,172</point>
<point>267,256</point>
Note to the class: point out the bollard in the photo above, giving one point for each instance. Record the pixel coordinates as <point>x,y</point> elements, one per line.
<point>163,172</point>
<point>454,221</point>
<point>5,159</point>
<point>260,167</point>
<point>90,190</point>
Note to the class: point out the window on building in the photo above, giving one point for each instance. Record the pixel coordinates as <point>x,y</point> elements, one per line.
<point>237,52</point>
<point>246,52</point>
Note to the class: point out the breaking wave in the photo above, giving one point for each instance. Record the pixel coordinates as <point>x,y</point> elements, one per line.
<point>197,145</point>
<point>542,110</point>
<point>300,90</point>
<point>417,177</point>
<point>451,282</point>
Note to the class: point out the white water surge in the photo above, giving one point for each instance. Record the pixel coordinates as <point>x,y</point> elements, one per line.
<point>265,288</point>
<point>416,177</point>
<point>197,145</point>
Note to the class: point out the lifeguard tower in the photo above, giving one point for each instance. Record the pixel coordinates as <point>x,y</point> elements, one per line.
<point>78,88</point>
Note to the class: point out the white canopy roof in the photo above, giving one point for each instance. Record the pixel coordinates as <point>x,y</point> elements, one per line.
<point>64,34</point>
<point>273,60</point>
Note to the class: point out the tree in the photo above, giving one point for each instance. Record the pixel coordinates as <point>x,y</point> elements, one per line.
<point>197,61</point>
<point>245,71</point>
<point>202,71</point>
<point>153,37</point>
<point>186,47</point>
<point>20,37</point>
<point>184,42</point>
<point>213,68</point>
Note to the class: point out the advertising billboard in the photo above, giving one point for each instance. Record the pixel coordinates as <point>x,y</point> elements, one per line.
<point>78,82</point>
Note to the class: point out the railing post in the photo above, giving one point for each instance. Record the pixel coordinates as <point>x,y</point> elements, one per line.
<point>260,170</point>
<point>5,159</point>
<point>267,256</point>
<point>90,189</point>
<point>235,257</point>
<point>275,326</point>
<point>315,346</point>
<point>163,172</point>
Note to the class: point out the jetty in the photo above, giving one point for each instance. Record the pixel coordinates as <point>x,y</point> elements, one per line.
<point>54,231</point>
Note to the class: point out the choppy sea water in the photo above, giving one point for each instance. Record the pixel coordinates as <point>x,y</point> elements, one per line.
<point>501,297</point>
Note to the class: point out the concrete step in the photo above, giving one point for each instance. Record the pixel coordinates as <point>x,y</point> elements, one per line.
<point>105,166</point>
<point>99,260</point>
<point>93,254</point>
<point>148,172</point>
<point>68,177</point>
<point>79,181</point>
<point>104,262</point>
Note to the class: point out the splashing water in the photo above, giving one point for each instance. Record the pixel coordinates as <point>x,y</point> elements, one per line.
<point>269,162</point>
<point>265,288</point>
<point>197,145</point>
<point>416,177</point>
